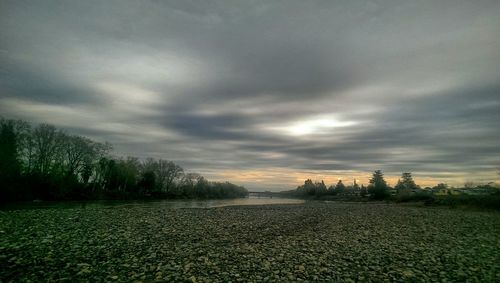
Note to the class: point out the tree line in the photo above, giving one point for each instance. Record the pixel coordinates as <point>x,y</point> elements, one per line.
<point>46,163</point>
<point>405,189</point>
<point>377,189</point>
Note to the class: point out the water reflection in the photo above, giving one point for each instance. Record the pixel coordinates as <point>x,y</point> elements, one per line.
<point>252,200</point>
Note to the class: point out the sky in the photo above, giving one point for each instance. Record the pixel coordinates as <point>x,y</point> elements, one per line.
<point>266,93</point>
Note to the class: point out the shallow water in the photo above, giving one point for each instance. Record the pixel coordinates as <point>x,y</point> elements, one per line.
<point>157,203</point>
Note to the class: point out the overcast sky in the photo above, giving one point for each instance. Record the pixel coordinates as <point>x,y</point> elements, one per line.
<point>266,93</point>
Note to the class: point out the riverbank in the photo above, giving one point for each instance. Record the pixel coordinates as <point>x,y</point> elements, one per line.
<point>312,241</point>
<point>463,201</point>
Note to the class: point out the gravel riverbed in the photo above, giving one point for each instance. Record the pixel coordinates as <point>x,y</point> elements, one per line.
<point>315,241</point>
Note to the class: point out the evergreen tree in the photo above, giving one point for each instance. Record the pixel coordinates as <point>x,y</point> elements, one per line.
<point>321,188</point>
<point>378,187</point>
<point>355,185</point>
<point>340,187</point>
<point>406,183</point>
<point>309,187</point>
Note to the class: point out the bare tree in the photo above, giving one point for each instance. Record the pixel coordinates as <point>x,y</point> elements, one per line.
<point>47,145</point>
<point>167,173</point>
<point>79,154</point>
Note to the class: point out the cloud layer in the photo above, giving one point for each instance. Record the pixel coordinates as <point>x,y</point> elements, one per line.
<point>266,92</point>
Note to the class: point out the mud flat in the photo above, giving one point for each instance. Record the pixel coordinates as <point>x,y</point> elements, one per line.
<point>311,242</point>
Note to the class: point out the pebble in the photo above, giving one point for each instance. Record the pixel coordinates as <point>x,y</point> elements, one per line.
<point>309,242</point>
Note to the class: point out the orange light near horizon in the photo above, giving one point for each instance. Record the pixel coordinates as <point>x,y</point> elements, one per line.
<point>284,178</point>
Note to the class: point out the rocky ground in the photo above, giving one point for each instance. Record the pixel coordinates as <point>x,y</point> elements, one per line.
<point>312,242</point>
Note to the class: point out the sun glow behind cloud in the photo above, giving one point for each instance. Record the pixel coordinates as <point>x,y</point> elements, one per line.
<point>316,125</point>
<point>128,98</point>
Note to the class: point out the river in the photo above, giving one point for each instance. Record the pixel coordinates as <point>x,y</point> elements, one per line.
<point>155,203</point>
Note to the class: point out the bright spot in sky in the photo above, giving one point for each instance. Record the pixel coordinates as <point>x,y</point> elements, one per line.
<point>316,126</point>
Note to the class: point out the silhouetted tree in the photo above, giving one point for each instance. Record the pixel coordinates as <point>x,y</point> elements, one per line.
<point>79,152</point>
<point>378,187</point>
<point>406,183</point>
<point>331,190</point>
<point>128,174</point>
<point>167,173</point>
<point>46,163</point>
<point>10,166</point>
<point>340,187</point>
<point>312,189</point>
<point>363,191</point>
<point>202,186</point>
<point>440,186</point>
<point>147,182</point>
<point>355,185</point>
<point>309,187</point>
<point>47,149</point>
<point>320,188</point>
<point>187,184</point>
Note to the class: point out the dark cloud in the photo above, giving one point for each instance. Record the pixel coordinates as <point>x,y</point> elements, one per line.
<point>219,127</point>
<point>323,86</point>
<point>38,85</point>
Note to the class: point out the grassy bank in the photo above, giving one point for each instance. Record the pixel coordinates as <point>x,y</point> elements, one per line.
<point>315,241</point>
